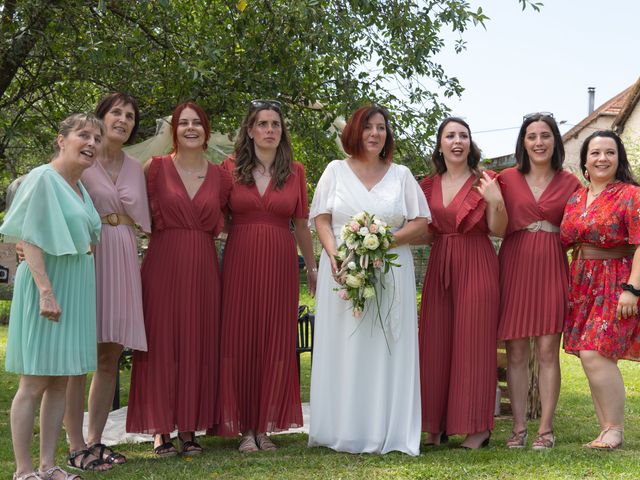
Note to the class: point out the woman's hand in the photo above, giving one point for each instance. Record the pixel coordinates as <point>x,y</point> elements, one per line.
<point>627,305</point>
<point>312,280</point>
<point>20,251</point>
<point>49,307</point>
<point>489,189</point>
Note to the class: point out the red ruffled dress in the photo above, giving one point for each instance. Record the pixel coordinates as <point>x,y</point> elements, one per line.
<point>259,388</point>
<point>611,220</point>
<point>175,384</point>
<point>458,315</point>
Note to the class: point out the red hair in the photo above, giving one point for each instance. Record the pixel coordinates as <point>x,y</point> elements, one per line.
<point>202,115</point>
<point>351,137</point>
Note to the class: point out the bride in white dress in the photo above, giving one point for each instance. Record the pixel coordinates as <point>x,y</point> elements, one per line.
<point>365,391</point>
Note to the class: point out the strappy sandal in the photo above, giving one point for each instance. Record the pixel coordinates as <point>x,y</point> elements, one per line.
<point>48,475</point>
<point>26,476</point>
<point>166,448</point>
<point>544,441</point>
<point>107,454</point>
<point>248,444</point>
<point>600,443</point>
<point>265,443</point>
<point>86,465</point>
<point>189,448</point>
<point>518,439</point>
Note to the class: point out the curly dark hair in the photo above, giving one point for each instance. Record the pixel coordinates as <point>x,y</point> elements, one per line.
<point>623,172</point>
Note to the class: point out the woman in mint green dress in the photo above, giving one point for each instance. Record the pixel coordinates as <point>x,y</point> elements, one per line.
<point>52,328</point>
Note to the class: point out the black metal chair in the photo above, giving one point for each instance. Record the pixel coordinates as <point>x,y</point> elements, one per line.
<point>304,340</point>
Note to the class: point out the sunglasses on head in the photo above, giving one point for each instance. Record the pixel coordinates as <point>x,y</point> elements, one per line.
<point>537,114</point>
<point>265,104</point>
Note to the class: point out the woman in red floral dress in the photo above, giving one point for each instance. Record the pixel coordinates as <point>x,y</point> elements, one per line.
<point>602,224</point>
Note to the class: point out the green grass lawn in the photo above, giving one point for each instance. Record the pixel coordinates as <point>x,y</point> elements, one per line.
<point>575,425</point>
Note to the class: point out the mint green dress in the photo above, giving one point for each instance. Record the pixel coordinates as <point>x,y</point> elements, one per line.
<point>48,213</point>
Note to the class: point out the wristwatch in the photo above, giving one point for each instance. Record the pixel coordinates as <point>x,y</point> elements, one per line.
<point>627,287</point>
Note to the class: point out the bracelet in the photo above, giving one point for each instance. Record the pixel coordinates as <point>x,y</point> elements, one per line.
<point>627,287</point>
<point>314,269</point>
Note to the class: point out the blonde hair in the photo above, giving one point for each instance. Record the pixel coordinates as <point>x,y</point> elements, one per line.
<point>76,122</point>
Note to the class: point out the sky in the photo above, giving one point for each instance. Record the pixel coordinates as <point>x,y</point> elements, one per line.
<point>527,61</point>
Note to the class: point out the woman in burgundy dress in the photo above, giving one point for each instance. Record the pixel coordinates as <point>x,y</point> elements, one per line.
<point>534,273</point>
<point>459,311</point>
<point>602,223</point>
<point>259,388</point>
<point>174,384</point>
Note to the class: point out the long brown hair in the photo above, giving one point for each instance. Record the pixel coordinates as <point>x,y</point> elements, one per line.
<point>245,153</point>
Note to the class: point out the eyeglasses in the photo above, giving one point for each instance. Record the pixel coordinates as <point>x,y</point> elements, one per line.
<point>265,104</point>
<point>537,114</point>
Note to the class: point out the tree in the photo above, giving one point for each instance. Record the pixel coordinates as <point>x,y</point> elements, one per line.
<point>323,58</point>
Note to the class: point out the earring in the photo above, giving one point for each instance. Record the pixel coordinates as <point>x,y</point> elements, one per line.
<point>586,175</point>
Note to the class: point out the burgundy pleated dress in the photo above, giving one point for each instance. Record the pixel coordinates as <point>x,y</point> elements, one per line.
<point>534,273</point>
<point>174,384</point>
<point>458,315</point>
<point>259,388</point>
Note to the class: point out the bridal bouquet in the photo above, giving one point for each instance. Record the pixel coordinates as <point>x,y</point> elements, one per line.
<point>364,260</point>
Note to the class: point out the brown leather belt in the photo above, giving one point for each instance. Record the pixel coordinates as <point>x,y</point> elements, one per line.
<point>585,251</point>
<point>115,219</point>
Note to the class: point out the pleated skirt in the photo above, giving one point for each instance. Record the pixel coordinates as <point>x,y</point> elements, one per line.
<point>174,383</point>
<point>457,335</point>
<point>119,291</point>
<point>534,285</point>
<point>38,346</point>
<point>259,388</point>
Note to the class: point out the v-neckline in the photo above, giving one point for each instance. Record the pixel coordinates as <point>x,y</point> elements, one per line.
<point>266,190</point>
<point>106,173</point>
<point>458,193</point>
<point>526,184</point>
<point>184,188</point>
<point>362,183</point>
<point>80,197</point>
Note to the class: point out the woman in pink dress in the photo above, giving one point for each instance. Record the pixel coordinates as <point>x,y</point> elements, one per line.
<point>174,384</point>
<point>259,385</point>
<point>116,185</point>
<point>602,224</point>
<point>459,310</point>
<point>534,273</point>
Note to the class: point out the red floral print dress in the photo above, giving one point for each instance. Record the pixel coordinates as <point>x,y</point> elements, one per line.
<point>611,220</point>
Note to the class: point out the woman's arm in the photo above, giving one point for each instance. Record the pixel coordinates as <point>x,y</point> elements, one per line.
<point>303,239</point>
<point>49,307</point>
<point>413,230</point>
<point>628,302</point>
<point>328,241</point>
<point>496,212</point>
<point>424,237</point>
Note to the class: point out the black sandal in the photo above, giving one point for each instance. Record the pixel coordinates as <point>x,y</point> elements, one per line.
<point>166,449</point>
<point>107,454</point>
<point>190,448</point>
<point>86,465</point>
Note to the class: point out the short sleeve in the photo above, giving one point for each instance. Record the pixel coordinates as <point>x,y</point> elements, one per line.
<point>226,183</point>
<point>324,195</point>
<point>632,215</point>
<point>415,202</point>
<point>37,216</point>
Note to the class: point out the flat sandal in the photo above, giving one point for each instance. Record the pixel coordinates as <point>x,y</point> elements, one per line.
<point>248,444</point>
<point>48,475</point>
<point>26,476</point>
<point>544,441</point>
<point>265,443</point>
<point>518,439</point>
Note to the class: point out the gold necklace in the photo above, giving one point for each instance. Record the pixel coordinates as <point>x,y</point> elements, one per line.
<point>539,187</point>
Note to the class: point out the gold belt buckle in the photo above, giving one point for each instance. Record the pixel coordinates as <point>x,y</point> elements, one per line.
<point>113,219</point>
